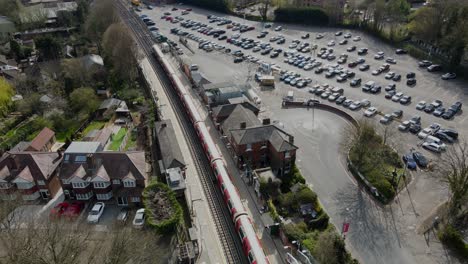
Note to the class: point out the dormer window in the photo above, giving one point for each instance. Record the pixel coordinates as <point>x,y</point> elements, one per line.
<point>129,183</point>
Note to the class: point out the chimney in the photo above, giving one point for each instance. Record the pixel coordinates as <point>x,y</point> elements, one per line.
<point>266,121</point>
<point>243,125</point>
<point>89,160</point>
<point>59,153</point>
<point>163,125</point>
<point>291,139</point>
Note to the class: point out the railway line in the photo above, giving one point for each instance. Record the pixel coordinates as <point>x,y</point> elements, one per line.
<point>221,217</point>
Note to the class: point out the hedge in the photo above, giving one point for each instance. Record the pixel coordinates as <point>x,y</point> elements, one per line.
<point>162,226</point>
<point>453,240</point>
<point>311,16</point>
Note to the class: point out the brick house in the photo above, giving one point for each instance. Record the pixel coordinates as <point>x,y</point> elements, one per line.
<point>257,144</point>
<point>29,175</point>
<point>89,173</point>
<point>43,141</point>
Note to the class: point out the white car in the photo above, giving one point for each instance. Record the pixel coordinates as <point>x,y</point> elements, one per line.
<point>278,28</point>
<point>139,219</point>
<point>331,43</point>
<point>96,213</point>
<point>432,147</point>
<point>355,105</point>
<point>424,133</point>
<point>357,38</point>
<point>421,105</point>
<point>370,112</point>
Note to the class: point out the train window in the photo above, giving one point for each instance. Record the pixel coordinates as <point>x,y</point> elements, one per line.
<point>223,187</point>
<point>241,233</point>
<point>251,258</point>
<point>216,171</point>
<point>229,205</point>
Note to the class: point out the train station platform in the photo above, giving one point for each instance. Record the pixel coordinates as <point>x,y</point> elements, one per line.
<point>273,246</point>
<point>209,245</point>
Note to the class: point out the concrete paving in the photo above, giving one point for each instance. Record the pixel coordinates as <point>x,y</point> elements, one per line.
<point>211,250</point>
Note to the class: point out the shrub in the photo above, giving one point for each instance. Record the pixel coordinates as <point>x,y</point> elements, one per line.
<point>273,213</point>
<point>311,16</point>
<point>453,239</point>
<point>306,195</point>
<point>295,231</point>
<point>163,211</point>
<point>321,222</point>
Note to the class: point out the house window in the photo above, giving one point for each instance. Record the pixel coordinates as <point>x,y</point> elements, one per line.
<point>66,158</point>
<point>84,196</point>
<point>80,159</point>
<point>129,183</point>
<point>135,199</point>
<point>117,181</point>
<point>40,182</point>
<point>249,147</point>
<point>80,185</point>
<point>287,154</point>
<point>101,185</point>
<point>104,196</point>
<point>65,181</point>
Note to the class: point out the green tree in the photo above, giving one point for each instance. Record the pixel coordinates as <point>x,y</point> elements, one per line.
<point>84,100</point>
<point>11,9</point>
<point>102,15</point>
<point>30,104</point>
<point>6,92</point>
<point>330,249</point>
<point>82,11</point>
<point>49,47</point>
<point>306,195</point>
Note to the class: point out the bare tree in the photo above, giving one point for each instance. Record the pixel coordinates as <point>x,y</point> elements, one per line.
<point>102,15</point>
<point>452,169</point>
<point>264,7</point>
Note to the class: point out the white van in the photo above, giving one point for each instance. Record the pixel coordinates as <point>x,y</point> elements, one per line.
<point>290,96</point>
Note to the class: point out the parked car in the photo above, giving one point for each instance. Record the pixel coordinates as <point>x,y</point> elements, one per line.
<point>355,105</point>
<point>434,68</point>
<point>450,132</point>
<point>370,112</point>
<point>414,128</point>
<point>355,82</point>
<point>420,159</point>
<point>421,105</point>
<point>139,219</point>
<point>123,215</point>
<point>396,78</point>
<point>401,51</point>
<point>74,210</point>
<point>456,107</point>
<point>444,137</point>
<point>449,76</point>
<point>424,63</point>
<point>449,114</point>
<point>58,210</point>
<point>350,49</point>
<point>96,213</point>
<point>409,161</point>
<point>411,82</point>
<point>386,119</point>
<point>404,126</point>
<point>411,75</point>
<point>391,60</point>
<point>432,147</point>
<point>364,67</point>
<point>397,114</point>
<point>439,111</point>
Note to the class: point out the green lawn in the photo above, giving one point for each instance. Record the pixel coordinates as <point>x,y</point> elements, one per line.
<point>131,142</point>
<point>117,139</point>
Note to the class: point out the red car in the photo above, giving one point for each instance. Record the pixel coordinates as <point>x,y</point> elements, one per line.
<point>58,210</point>
<point>73,210</point>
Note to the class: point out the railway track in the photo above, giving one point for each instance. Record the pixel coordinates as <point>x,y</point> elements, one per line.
<point>221,217</point>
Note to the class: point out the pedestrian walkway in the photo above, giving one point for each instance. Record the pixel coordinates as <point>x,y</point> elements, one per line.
<point>210,246</point>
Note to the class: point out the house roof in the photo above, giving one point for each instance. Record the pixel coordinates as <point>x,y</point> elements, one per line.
<point>117,165</point>
<point>214,86</point>
<point>239,115</point>
<point>102,173</point>
<point>122,107</point>
<point>40,164</point>
<point>103,136</point>
<point>277,138</point>
<point>108,103</point>
<point>21,146</point>
<point>5,173</point>
<point>170,150</point>
<point>83,147</point>
<point>226,110</point>
<point>91,60</point>
<point>41,139</point>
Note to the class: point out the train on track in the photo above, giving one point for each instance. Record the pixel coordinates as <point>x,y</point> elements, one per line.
<point>251,245</point>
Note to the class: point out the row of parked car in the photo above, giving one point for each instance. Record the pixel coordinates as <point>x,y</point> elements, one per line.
<point>72,210</point>
<point>437,109</point>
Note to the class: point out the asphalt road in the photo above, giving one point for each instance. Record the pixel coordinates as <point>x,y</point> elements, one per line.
<point>376,235</point>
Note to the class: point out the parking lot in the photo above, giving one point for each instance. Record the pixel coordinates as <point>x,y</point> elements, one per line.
<point>377,234</point>
<point>218,65</point>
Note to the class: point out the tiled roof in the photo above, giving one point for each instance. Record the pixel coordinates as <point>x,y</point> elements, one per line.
<point>278,139</point>
<point>41,139</point>
<point>108,103</point>
<point>41,164</point>
<point>238,115</point>
<point>117,165</point>
<point>4,173</point>
<point>26,175</point>
<point>102,173</point>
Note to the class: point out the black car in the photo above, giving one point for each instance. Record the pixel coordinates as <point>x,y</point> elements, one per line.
<point>306,36</point>
<point>429,108</point>
<point>411,75</point>
<point>406,99</point>
<point>238,60</point>
<point>450,132</point>
<point>390,94</point>
<point>401,51</point>
<point>222,37</point>
<point>352,64</point>
<point>340,100</point>
<point>449,114</point>
<point>355,82</point>
<point>352,48</point>
<point>415,128</point>
<point>319,70</point>
<point>444,137</point>
<point>411,81</point>
<point>456,107</point>
<point>420,159</point>
<point>434,68</point>
<point>439,111</point>
<point>396,78</point>
<point>362,51</point>
<point>376,89</point>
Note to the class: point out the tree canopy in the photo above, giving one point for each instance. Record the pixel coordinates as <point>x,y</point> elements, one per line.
<point>6,92</point>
